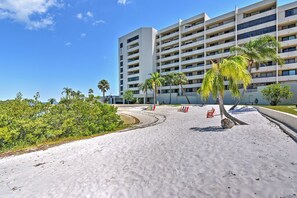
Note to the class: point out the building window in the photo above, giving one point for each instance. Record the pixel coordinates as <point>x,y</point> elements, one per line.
<point>133,39</point>
<point>136,92</point>
<point>133,79</point>
<point>121,70</point>
<point>289,61</point>
<point>291,12</point>
<point>121,76</point>
<point>287,38</point>
<point>121,45</point>
<point>121,88</point>
<point>289,72</point>
<point>121,82</point>
<point>256,22</point>
<point>289,49</point>
<point>257,32</point>
<point>121,63</point>
<point>121,57</point>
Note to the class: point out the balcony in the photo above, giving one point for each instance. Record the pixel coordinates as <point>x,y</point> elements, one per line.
<point>169,36</point>
<point>264,79</point>
<point>264,69</point>
<point>194,52</point>
<point>133,48</point>
<point>169,51</point>
<point>194,85</point>
<point>191,45</point>
<point>289,19</point>
<point>217,56</point>
<point>170,43</point>
<point>256,16</point>
<point>256,27</point>
<point>221,37</point>
<point>186,30</point>
<point>191,61</point>
<point>194,68</point>
<point>286,55</point>
<point>221,27</point>
<point>196,35</point>
<point>170,65</point>
<point>133,55</point>
<point>133,62</point>
<point>288,31</point>
<point>221,46</point>
<point>194,77</point>
<point>289,43</point>
<point>242,41</point>
<point>170,58</point>
<point>287,78</point>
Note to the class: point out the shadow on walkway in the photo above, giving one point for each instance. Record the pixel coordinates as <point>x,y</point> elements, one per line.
<point>243,110</point>
<point>208,129</point>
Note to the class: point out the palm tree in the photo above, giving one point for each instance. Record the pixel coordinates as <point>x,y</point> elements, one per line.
<point>67,91</point>
<point>91,92</point>
<point>181,79</point>
<point>170,79</point>
<point>257,52</point>
<point>103,85</point>
<point>144,87</point>
<point>156,81</point>
<point>52,101</point>
<point>234,69</point>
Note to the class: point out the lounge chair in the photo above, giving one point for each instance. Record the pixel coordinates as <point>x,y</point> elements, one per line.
<point>210,113</point>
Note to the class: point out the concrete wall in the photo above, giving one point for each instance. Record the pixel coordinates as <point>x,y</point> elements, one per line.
<point>287,119</point>
<point>249,98</point>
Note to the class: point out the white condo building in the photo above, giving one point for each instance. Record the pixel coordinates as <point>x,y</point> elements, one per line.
<point>189,46</point>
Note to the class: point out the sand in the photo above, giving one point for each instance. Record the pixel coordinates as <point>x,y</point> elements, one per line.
<point>171,154</point>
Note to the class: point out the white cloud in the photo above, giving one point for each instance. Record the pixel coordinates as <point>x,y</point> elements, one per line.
<point>97,22</point>
<point>90,14</point>
<point>68,43</point>
<point>86,17</point>
<point>123,2</point>
<point>83,35</point>
<point>33,13</point>
<point>79,16</point>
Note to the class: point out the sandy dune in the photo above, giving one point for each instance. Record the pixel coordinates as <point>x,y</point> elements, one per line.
<point>172,154</point>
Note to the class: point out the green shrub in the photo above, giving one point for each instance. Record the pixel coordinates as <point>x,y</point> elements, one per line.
<point>27,122</point>
<point>274,93</point>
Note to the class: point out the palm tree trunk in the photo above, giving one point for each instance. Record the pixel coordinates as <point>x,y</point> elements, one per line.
<point>170,95</point>
<point>221,104</point>
<point>145,96</point>
<point>243,91</point>
<point>103,96</point>
<point>185,94</point>
<point>222,108</point>
<point>155,95</point>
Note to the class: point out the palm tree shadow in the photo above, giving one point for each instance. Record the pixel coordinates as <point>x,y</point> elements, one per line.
<point>243,110</point>
<point>214,129</point>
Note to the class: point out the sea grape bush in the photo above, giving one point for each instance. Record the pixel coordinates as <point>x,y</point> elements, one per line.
<point>26,122</point>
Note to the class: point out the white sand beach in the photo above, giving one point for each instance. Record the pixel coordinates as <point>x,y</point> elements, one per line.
<point>172,154</point>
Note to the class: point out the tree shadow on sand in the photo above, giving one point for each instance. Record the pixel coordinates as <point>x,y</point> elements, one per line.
<point>243,110</point>
<point>213,129</point>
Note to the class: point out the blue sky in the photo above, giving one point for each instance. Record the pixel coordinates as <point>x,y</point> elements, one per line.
<point>46,45</point>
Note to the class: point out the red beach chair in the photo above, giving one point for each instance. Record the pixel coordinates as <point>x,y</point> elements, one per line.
<point>186,109</point>
<point>210,113</point>
<point>181,109</point>
<point>153,108</point>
